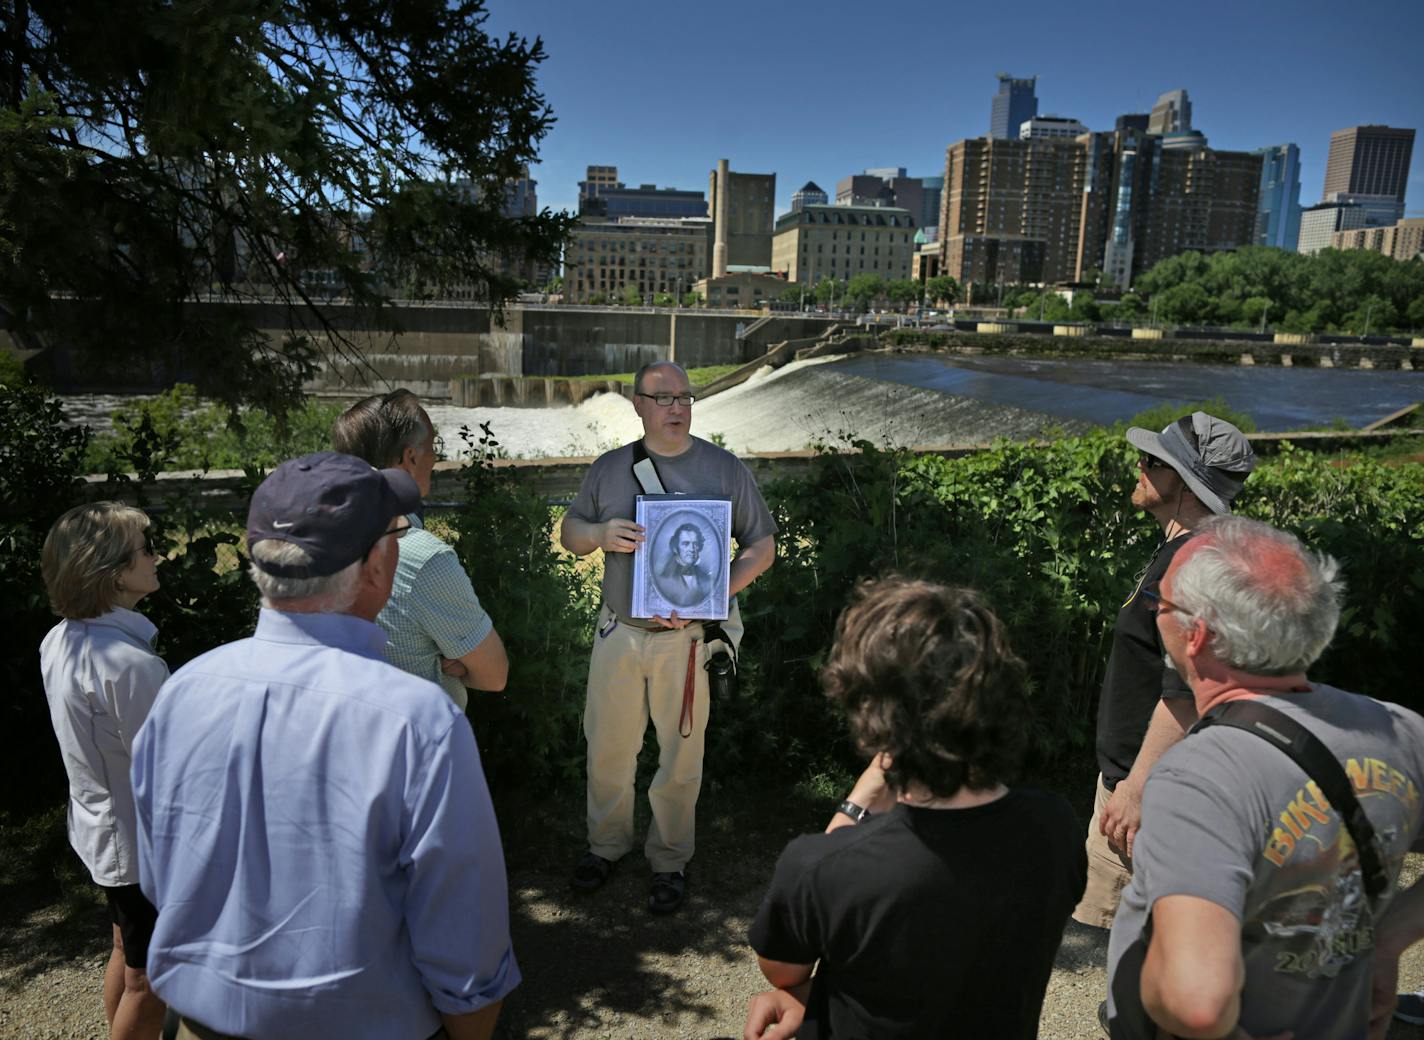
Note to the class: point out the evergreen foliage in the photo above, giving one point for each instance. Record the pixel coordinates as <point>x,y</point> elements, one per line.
<point>150,153</point>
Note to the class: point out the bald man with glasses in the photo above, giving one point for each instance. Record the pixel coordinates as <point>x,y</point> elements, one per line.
<point>1187,473</point>
<point>645,669</point>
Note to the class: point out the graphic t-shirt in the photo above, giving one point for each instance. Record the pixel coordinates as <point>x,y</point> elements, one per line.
<point>1228,818</point>
<point>1137,677</point>
<point>928,922</point>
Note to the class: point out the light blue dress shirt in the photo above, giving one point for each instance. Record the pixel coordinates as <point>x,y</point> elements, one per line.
<point>315,830</point>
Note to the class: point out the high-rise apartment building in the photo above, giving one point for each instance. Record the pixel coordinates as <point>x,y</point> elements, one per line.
<point>1319,223</point>
<point>1050,126</point>
<point>1371,164</point>
<point>1013,104</point>
<point>810,194</point>
<point>1172,113</point>
<point>841,242</point>
<point>1050,210</point>
<point>1278,205</point>
<point>741,206</point>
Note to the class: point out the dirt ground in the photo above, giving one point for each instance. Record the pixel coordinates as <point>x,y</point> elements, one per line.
<point>594,967</point>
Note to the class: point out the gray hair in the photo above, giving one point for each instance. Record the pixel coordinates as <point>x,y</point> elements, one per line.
<point>1271,604</point>
<point>381,428</point>
<point>328,594</point>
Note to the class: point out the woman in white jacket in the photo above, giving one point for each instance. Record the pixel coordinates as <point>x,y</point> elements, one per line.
<point>101,677</point>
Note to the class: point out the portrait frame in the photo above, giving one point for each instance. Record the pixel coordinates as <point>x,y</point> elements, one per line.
<point>684,562</point>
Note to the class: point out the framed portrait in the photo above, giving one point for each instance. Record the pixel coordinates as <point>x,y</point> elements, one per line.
<point>683,563</point>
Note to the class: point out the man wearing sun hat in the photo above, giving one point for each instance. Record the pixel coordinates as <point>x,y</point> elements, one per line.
<point>1188,472</point>
<point>314,826</point>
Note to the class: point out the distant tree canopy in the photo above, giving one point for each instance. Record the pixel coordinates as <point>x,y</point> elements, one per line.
<point>295,150</point>
<point>1334,290</point>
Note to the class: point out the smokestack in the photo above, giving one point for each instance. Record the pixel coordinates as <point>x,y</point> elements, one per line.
<point>719,222</point>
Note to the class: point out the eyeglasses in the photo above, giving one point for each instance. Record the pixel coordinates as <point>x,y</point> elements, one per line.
<point>1151,462</point>
<point>1160,604</point>
<point>666,400</point>
<point>147,547</point>
<point>399,531</point>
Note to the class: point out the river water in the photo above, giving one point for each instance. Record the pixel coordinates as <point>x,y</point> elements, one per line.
<point>914,399</point>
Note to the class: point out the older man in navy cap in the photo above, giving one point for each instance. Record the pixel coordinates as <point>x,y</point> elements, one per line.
<point>1190,471</point>
<point>314,825</point>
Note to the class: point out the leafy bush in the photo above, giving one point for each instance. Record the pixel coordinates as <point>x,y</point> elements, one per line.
<point>177,430</point>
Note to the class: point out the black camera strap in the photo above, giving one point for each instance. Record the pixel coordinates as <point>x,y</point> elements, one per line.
<point>645,471</point>
<point>1283,732</point>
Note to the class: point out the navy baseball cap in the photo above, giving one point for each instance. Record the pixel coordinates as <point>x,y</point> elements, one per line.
<point>334,506</point>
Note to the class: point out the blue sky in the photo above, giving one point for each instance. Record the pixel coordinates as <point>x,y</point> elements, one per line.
<point>817,91</point>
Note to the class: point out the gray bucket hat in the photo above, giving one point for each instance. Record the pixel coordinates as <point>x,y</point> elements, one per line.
<point>1210,454</point>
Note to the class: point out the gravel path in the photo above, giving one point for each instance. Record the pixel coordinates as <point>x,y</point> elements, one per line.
<point>594,967</point>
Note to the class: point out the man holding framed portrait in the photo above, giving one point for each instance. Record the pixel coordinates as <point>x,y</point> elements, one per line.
<point>651,667</point>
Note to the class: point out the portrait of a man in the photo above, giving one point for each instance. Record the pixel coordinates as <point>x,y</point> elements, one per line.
<point>683,578</point>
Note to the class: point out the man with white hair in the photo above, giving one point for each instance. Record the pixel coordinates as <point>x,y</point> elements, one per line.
<point>314,826</point>
<point>1260,905</point>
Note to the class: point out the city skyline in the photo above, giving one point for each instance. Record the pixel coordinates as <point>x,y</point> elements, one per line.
<point>663,93</point>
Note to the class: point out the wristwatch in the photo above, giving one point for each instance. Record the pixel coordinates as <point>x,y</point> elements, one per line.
<point>855,812</point>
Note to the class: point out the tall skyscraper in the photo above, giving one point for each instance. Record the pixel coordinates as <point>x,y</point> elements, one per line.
<point>1319,223</point>
<point>1368,166</point>
<point>1278,212</point>
<point>1172,113</point>
<point>1014,103</point>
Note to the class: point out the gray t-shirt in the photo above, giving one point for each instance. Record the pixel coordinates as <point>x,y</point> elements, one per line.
<point>610,490</point>
<point>1228,818</point>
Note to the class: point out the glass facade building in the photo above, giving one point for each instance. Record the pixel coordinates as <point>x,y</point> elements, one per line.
<point>1278,208</point>
<point>1014,104</point>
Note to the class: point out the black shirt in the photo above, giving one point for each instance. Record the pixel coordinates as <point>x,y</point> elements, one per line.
<point>1137,678</point>
<point>928,922</point>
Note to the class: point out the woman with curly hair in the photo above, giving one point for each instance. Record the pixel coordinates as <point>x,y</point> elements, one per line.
<point>101,677</point>
<point>939,912</point>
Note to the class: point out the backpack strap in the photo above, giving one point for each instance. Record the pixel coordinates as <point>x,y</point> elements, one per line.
<point>1288,735</point>
<point>645,471</point>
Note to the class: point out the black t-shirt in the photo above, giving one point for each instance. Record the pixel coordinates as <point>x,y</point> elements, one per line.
<point>1137,678</point>
<point>928,922</point>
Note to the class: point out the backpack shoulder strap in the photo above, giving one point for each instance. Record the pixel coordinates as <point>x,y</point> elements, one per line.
<point>1290,737</point>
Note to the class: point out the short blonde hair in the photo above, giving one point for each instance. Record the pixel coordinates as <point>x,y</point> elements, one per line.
<point>85,552</point>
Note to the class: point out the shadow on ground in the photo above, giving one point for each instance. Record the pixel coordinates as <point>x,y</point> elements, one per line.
<point>601,964</point>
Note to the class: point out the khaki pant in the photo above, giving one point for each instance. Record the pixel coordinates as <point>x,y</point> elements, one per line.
<point>1108,872</point>
<point>634,676</point>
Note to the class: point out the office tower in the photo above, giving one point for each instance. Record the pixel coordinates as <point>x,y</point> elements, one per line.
<point>862,189</point>
<point>1368,167</point>
<point>646,200</point>
<point>1278,208</point>
<point>1014,103</point>
<point>1133,121</point>
<point>811,194</point>
<point>1050,126</point>
<point>596,180</point>
<point>934,200</point>
<point>1171,114</point>
<point>742,206</point>
<point>1319,223</point>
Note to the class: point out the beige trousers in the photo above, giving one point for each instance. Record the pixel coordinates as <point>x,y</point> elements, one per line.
<point>1108,872</point>
<point>635,676</point>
